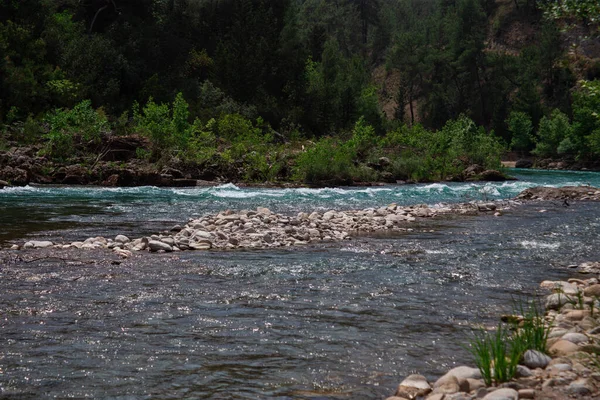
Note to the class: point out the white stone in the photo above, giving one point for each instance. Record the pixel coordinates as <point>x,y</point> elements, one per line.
<point>122,239</point>
<point>502,394</point>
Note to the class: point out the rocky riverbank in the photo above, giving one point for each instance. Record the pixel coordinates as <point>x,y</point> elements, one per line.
<point>261,229</point>
<point>120,162</point>
<point>569,370</point>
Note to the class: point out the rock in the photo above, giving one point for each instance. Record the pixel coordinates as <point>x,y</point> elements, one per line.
<point>475,384</point>
<point>122,239</point>
<point>493,176</point>
<point>436,396</point>
<point>589,268</point>
<point>575,337</point>
<point>581,387</point>
<point>592,291</point>
<point>524,163</point>
<point>557,300</point>
<point>563,348</point>
<point>38,244</point>
<point>527,394</point>
<point>535,359</point>
<point>486,207</point>
<point>3,184</point>
<point>413,386</point>
<point>15,247</point>
<point>502,394</point>
<point>122,253</point>
<point>462,372</point>
<point>204,245</point>
<point>523,372</point>
<point>447,384</point>
<point>156,245</point>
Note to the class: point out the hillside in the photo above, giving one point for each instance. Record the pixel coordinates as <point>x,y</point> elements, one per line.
<point>197,78</point>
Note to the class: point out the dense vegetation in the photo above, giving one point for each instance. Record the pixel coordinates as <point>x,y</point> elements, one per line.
<point>314,90</point>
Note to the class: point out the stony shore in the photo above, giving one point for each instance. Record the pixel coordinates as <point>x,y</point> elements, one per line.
<point>569,370</point>
<point>263,229</point>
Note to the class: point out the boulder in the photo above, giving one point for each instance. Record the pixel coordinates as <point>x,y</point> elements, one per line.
<point>581,387</point>
<point>535,359</point>
<point>38,244</point>
<point>413,386</point>
<point>557,300</point>
<point>462,372</point>
<point>524,163</point>
<point>3,184</point>
<point>122,239</point>
<point>589,268</point>
<point>563,348</point>
<point>493,176</point>
<point>575,337</point>
<point>447,384</point>
<point>502,394</point>
<point>591,291</point>
<point>156,245</point>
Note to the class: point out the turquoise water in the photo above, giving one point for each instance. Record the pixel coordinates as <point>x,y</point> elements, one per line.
<point>56,210</point>
<point>345,320</point>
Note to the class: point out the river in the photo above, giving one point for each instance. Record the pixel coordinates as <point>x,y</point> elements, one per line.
<point>328,321</point>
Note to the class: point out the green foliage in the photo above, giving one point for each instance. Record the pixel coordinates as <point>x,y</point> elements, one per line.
<point>166,126</point>
<point>326,161</point>
<point>81,122</point>
<point>496,354</point>
<point>519,125</point>
<point>551,133</point>
<point>586,119</point>
<point>532,332</point>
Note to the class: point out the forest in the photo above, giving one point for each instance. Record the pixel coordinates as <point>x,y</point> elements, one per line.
<point>335,91</point>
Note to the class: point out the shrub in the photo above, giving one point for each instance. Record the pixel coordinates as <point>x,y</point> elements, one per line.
<point>64,124</point>
<point>166,126</point>
<point>551,133</point>
<point>519,125</point>
<point>326,161</point>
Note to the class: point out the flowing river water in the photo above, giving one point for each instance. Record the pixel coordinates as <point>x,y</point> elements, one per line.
<point>342,320</point>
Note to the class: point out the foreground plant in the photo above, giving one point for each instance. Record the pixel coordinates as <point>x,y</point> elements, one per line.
<point>497,353</point>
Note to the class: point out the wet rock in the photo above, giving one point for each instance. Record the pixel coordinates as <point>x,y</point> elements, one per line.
<point>3,184</point>
<point>486,207</point>
<point>524,163</point>
<point>493,176</point>
<point>535,359</point>
<point>156,245</point>
<point>589,268</point>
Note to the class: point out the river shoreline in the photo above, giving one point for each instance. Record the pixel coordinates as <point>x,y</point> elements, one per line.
<point>570,369</point>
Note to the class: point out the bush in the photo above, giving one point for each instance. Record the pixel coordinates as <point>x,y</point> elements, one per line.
<point>166,126</point>
<point>551,133</point>
<point>65,124</point>
<point>520,126</point>
<point>326,161</point>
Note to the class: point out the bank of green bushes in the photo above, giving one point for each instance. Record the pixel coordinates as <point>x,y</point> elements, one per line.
<point>251,150</point>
